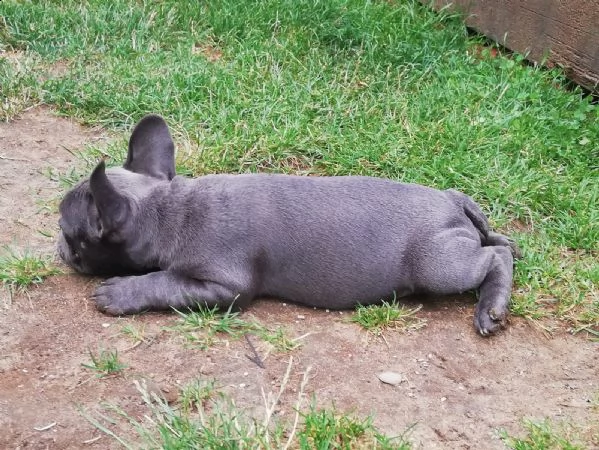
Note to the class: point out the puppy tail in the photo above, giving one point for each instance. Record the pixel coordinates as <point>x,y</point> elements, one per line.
<point>481,223</point>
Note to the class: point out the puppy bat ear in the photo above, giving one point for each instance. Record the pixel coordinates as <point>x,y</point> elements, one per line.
<point>151,149</point>
<point>113,208</point>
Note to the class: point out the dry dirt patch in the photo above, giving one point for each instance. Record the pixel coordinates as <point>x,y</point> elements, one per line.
<point>458,388</point>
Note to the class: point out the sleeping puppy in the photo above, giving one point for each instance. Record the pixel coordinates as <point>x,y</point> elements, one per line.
<point>328,242</point>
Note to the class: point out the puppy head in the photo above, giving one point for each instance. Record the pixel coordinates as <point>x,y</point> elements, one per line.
<point>98,216</point>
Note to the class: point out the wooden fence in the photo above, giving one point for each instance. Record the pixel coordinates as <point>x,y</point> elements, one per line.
<point>553,32</point>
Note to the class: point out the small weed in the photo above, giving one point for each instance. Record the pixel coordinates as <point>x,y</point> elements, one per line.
<point>327,429</point>
<point>137,333</point>
<point>545,436</point>
<point>376,318</point>
<point>201,326</point>
<point>105,363</point>
<point>278,339</point>
<point>20,271</point>
<point>195,395</point>
<point>69,178</point>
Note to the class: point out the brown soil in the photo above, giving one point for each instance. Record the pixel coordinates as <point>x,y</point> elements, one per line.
<point>459,389</point>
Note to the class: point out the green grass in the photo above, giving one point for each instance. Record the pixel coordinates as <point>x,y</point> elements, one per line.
<point>547,435</point>
<point>327,429</point>
<point>203,327</point>
<point>278,339</point>
<point>389,89</point>
<point>135,332</point>
<point>104,363</point>
<point>196,394</point>
<point>20,270</point>
<point>387,315</point>
<point>206,418</point>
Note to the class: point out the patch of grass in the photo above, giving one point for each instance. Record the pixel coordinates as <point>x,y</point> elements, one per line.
<point>547,436</point>
<point>278,339</point>
<point>207,418</point>
<point>377,318</point>
<point>20,87</point>
<point>196,394</point>
<point>327,429</point>
<point>137,333</point>
<point>18,271</point>
<point>555,281</point>
<point>388,89</point>
<point>113,153</point>
<point>105,363</point>
<point>203,325</point>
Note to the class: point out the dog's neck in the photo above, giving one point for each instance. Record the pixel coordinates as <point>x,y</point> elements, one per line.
<point>158,221</point>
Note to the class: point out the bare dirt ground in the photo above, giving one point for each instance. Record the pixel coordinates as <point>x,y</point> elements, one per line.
<point>458,389</point>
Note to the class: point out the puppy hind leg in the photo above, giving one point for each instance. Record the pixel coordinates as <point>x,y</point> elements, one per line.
<point>494,291</point>
<point>496,239</point>
<point>456,264</point>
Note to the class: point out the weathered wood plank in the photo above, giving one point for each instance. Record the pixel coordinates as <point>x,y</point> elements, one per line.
<point>555,32</point>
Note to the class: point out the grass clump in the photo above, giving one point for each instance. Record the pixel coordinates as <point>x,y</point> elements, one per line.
<point>18,271</point>
<point>202,326</point>
<point>196,394</point>
<point>377,318</point>
<point>104,363</point>
<point>135,332</point>
<point>278,339</point>
<point>327,429</point>
<point>548,436</point>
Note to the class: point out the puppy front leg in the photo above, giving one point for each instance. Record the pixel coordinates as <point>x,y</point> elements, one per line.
<point>158,291</point>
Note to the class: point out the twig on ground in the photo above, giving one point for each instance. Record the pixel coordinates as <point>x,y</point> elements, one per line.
<point>46,427</point>
<point>271,402</point>
<point>256,357</point>
<point>8,158</point>
<point>298,405</point>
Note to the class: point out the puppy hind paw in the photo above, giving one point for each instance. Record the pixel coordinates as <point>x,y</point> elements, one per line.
<point>515,249</point>
<point>488,322</point>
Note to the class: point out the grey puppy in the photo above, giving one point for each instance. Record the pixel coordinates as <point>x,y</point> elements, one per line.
<point>329,242</point>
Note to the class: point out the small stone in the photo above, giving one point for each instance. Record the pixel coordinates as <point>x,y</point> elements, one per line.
<point>170,395</point>
<point>105,325</point>
<point>301,316</point>
<point>392,378</point>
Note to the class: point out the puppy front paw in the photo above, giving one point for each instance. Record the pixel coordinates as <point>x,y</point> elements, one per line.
<point>118,296</point>
<point>488,321</point>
